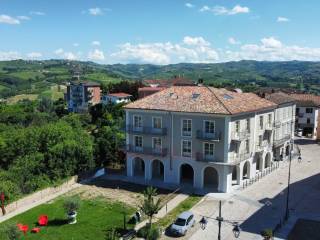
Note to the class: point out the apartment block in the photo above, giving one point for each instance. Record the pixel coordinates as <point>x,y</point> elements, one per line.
<point>201,137</point>
<point>81,95</point>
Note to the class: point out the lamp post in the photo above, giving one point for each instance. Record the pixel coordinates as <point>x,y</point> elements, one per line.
<point>236,229</point>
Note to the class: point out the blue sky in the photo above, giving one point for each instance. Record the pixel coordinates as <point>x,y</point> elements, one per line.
<point>160,32</point>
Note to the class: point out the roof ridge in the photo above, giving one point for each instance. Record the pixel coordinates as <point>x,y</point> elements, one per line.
<point>218,99</point>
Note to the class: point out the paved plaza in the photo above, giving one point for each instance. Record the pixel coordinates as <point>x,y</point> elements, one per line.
<point>262,205</point>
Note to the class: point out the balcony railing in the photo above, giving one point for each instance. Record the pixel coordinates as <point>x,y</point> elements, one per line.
<point>200,157</point>
<point>202,135</point>
<point>240,136</point>
<point>300,115</point>
<point>237,158</point>
<point>161,152</point>
<point>261,146</point>
<point>277,124</point>
<point>146,130</point>
<point>269,127</point>
<point>282,140</point>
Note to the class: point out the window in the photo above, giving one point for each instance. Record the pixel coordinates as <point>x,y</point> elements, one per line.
<point>260,140</point>
<point>157,122</point>
<point>209,127</point>
<point>297,111</point>
<point>237,126</point>
<point>247,146</point>
<point>237,148</point>
<point>248,124</point>
<point>137,121</point>
<point>269,118</point>
<point>186,148</point>
<point>309,110</point>
<point>308,121</point>
<point>261,122</point>
<point>157,143</point>
<point>208,149</point>
<point>186,127</point>
<point>138,143</point>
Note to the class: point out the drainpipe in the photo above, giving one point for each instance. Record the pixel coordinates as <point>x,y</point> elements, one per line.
<point>171,144</point>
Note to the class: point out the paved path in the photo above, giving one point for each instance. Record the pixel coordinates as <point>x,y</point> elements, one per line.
<point>165,209</point>
<point>45,199</point>
<point>262,205</point>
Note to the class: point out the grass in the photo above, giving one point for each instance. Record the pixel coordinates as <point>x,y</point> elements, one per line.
<point>186,205</point>
<point>25,75</point>
<point>95,216</point>
<point>17,98</point>
<point>100,77</point>
<point>54,93</point>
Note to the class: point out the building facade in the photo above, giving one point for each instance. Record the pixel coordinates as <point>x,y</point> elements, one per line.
<point>307,114</point>
<point>198,136</point>
<point>81,95</point>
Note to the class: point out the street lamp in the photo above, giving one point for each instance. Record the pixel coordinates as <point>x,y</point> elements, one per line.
<point>236,229</point>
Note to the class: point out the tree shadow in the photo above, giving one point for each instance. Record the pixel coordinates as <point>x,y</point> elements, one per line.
<point>57,222</point>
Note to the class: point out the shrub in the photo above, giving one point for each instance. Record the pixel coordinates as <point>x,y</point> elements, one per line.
<point>11,232</point>
<point>149,234</point>
<point>267,233</point>
<point>71,204</point>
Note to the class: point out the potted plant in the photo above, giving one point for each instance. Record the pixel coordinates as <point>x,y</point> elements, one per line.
<point>71,206</point>
<point>267,234</point>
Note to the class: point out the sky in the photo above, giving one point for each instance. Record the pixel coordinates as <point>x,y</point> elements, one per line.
<point>160,32</point>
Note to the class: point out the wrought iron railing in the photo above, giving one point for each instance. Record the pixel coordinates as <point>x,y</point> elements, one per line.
<point>162,152</point>
<point>146,130</point>
<point>202,135</point>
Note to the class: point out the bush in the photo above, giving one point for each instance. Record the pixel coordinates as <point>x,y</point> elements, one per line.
<point>267,233</point>
<point>11,232</point>
<point>71,204</point>
<point>149,234</point>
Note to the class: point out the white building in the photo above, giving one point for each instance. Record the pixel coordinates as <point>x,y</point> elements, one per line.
<point>116,98</point>
<point>307,114</point>
<point>203,137</point>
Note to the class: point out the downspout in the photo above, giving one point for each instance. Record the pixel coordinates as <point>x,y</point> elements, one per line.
<point>171,144</point>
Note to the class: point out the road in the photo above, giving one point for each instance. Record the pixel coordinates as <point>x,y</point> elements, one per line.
<point>262,205</point>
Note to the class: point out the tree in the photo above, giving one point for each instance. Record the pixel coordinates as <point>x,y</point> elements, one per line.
<point>151,204</point>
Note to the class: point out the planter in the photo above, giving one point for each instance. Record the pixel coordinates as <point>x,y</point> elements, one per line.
<point>72,217</point>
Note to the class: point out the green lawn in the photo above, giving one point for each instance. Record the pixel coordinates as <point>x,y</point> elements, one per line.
<point>25,75</point>
<point>94,218</point>
<point>186,205</point>
<point>100,77</point>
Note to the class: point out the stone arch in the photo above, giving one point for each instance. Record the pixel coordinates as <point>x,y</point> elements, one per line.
<point>210,178</point>
<point>138,167</point>
<point>157,170</point>
<point>259,163</point>
<point>235,175</point>
<point>267,160</point>
<point>186,174</point>
<point>246,170</point>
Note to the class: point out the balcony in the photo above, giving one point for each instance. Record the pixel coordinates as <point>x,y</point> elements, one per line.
<point>278,142</point>
<point>202,135</point>
<point>200,157</point>
<point>277,124</point>
<point>159,152</point>
<point>300,115</point>
<point>269,127</point>
<point>146,130</point>
<point>240,136</point>
<point>237,158</point>
<point>261,146</point>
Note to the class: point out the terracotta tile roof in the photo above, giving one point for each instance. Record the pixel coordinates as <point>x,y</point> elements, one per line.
<point>198,99</point>
<point>307,100</point>
<point>279,98</point>
<point>121,94</point>
<point>151,89</point>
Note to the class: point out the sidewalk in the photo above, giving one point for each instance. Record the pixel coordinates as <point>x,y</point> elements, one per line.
<point>165,209</point>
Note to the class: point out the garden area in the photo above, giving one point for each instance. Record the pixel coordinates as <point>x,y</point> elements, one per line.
<point>96,219</point>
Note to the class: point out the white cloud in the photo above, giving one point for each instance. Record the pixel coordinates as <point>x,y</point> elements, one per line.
<point>95,11</point>
<point>11,55</point>
<point>272,49</point>
<point>96,43</point>
<point>96,55</point>
<point>196,50</point>
<point>189,5</point>
<point>283,19</point>
<point>23,17</point>
<point>220,10</point>
<point>233,41</point>
<point>66,55</point>
<point>34,55</point>
<point>37,13</point>
<point>6,19</point>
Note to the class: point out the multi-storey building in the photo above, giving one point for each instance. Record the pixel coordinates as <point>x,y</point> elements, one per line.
<point>81,95</point>
<point>284,121</point>
<point>206,137</point>
<point>307,114</point>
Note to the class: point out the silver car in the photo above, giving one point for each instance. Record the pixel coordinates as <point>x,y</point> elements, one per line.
<point>184,221</point>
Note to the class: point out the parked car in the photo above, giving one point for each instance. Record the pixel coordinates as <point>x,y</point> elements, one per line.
<point>299,132</point>
<point>184,222</point>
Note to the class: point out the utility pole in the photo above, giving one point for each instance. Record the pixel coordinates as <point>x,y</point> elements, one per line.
<point>289,175</point>
<point>220,220</point>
